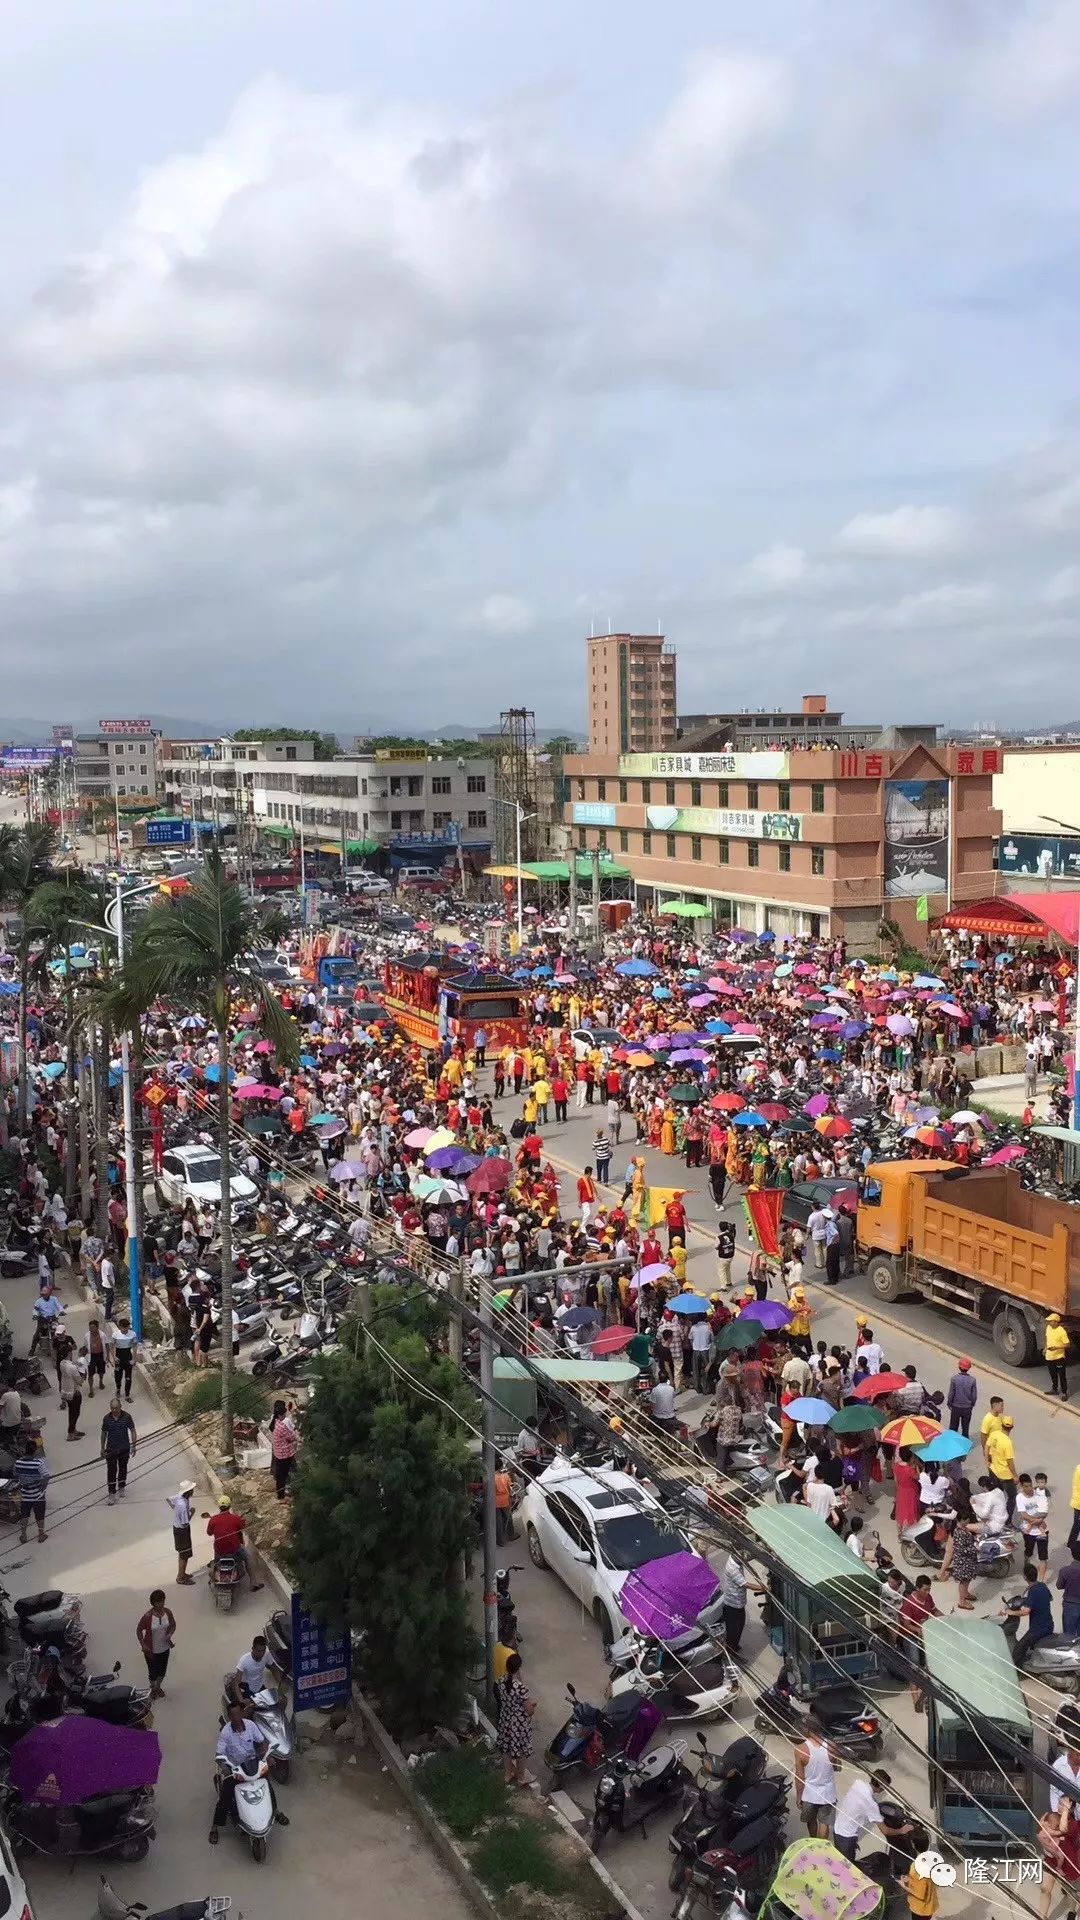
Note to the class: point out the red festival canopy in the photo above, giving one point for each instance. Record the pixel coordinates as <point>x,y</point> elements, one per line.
<point>1025,914</point>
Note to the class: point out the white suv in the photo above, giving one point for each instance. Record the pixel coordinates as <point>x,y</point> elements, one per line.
<point>194,1173</point>
<point>592,1529</point>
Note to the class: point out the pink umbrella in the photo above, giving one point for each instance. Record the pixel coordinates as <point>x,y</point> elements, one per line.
<point>565,979</point>
<point>611,1340</point>
<point>817,1104</point>
<point>419,1136</point>
<point>804,971</point>
<point>1005,1156</point>
<point>731,993</point>
<point>744,1026</point>
<point>1043,1006</point>
<point>263,1046</point>
<point>257,1092</point>
<point>701,1000</point>
<point>900,1025</point>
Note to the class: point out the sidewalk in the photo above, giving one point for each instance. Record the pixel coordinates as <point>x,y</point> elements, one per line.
<point>340,1814</point>
<point>1006,1092</point>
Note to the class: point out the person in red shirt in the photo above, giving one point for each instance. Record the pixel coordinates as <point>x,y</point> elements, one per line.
<point>919,1606</point>
<point>675,1215</point>
<point>560,1093</point>
<point>651,1251</point>
<point>586,1193</point>
<point>226,1530</point>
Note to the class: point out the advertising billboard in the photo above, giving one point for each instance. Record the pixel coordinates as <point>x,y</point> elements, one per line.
<point>1043,856</point>
<point>593,813</point>
<point>916,838</point>
<point>25,759</point>
<point>705,766</point>
<point>125,726</point>
<point>738,823</point>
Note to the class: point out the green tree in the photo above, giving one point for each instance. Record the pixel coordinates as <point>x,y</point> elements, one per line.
<point>26,856</point>
<point>196,951</point>
<point>381,1520</point>
<point>56,916</point>
<point>324,745</point>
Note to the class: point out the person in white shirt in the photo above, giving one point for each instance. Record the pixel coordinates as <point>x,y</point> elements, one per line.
<point>238,1741</point>
<point>662,1402</point>
<point>859,1812</point>
<point>701,1339</point>
<point>934,1487</point>
<point>817,1228</point>
<point>824,1501</point>
<point>252,1669</point>
<point>869,1350</point>
<point>990,1506</point>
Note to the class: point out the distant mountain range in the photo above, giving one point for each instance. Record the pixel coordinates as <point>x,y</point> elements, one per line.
<point>27,732</point>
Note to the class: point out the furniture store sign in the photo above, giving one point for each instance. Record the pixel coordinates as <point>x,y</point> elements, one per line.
<point>705,766</point>
<point>737,823</point>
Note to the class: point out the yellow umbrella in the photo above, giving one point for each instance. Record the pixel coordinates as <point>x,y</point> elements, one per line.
<point>641,1060</point>
<point>442,1137</point>
<point>909,1431</point>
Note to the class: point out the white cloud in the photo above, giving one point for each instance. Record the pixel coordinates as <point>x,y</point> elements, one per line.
<point>502,614</point>
<point>1032,69</point>
<point>1062,588</point>
<point>905,533</point>
<point>781,569</point>
<point>952,604</point>
<point>728,105</point>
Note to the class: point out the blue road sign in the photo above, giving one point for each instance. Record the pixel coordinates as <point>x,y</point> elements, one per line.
<point>322,1662</point>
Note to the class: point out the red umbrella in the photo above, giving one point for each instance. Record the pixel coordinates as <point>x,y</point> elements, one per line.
<point>832,1126</point>
<point>611,1340</point>
<point>772,1110</point>
<point>726,1103</point>
<point>877,1384</point>
<point>933,1137</point>
<point>491,1176</point>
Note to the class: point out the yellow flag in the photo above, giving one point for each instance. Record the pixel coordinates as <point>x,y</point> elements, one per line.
<point>658,1199</point>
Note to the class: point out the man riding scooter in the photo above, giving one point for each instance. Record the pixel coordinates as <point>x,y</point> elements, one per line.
<point>226,1530</point>
<point>239,1741</point>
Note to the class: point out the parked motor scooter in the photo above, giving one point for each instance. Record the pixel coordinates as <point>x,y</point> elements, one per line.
<point>224,1576</point>
<point>848,1722</point>
<point>115,1825</point>
<point>111,1907</point>
<point>624,1724</point>
<point>923,1544</point>
<point>1055,1660</point>
<point>630,1792</point>
<point>680,1694</point>
<point>278,1634</point>
<point>728,1799</point>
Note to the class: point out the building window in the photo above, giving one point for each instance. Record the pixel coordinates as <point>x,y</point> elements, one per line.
<point>581,840</point>
<point>440,783</point>
<point>723,794</point>
<point>624,840</point>
<point>784,859</point>
<point>817,797</point>
<point>601,839</point>
<point>669,839</point>
<point>695,846</point>
<point>817,860</point>
<point>395,822</point>
<point>444,819</point>
<point>695,793</point>
<point>601,789</point>
<point>669,792</point>
<point>623,789</point>
<point>478,818</point>
<point>646,843</point>
<point>646,792</point>
<point>752,800</point>
<point>783,797</point>
<point>723,852</point>
<point>476,783</point>
<point>753,853</point>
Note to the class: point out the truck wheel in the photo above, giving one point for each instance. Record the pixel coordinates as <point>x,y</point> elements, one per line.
<point>1013,1338</point>
<point>883,1277</point>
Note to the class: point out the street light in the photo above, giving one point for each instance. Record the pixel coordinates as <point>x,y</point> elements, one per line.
<point>520,816</point>
<point>1070,828</point>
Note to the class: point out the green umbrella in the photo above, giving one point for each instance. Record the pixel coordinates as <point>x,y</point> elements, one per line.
<point>686,1094</point>
<point>263,1123</point>
<point>685,909</point>
<point>739,1336</point>
<point>857,1419</point>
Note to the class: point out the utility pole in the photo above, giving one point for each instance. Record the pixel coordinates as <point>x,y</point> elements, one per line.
<point>572,862</point>
<point>595,858</point>
<point>455,1343</point>
<point>487,1393</point>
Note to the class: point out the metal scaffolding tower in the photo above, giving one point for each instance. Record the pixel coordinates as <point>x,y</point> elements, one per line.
<point>515,784</point>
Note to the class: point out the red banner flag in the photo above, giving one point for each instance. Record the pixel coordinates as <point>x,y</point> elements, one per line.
<point>763,1217</point>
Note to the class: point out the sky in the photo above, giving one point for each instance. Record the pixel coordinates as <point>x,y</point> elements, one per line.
<point>355,362</point>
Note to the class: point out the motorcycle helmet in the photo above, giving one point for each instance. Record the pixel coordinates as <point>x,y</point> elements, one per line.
<point>224,1504</point>
<point>964,1363</point>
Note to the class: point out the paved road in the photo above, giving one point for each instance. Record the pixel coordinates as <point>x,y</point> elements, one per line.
<point>342,1818</point>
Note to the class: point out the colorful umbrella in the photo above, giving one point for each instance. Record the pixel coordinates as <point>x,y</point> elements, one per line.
<point>263,1046</point>
<point>910,1430</point>
<point>931,1137</point>
<point>63,1761</point>
<point>258,1092</point>
<point>817,1104</point>
<point>452,1160</point>
<point>491,1176</point>
<point>331,1127</point>
<point>832,1126</point>
<point>815,1413</point>
<point>664,1597</point>
<point>1006,1156</point>
<point>611,1340</point>
<point>726,1103</point>
<point>946,1446</point>
<point>773,1111</point>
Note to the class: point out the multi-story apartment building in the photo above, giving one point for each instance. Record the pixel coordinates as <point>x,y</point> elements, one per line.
<point>631,693</point>
<point>800,842</point>
<point>119,762</point>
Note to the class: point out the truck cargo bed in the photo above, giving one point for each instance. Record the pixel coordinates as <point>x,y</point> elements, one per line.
<point>991,1229</point>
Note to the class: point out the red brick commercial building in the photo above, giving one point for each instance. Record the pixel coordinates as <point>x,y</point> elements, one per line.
<point>801,842</point>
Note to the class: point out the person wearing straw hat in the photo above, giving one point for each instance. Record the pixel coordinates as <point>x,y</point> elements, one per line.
<point>180,1502</point>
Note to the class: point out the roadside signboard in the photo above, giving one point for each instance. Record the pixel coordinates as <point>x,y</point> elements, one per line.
<point>322,1662</point>
<point>168,833</point>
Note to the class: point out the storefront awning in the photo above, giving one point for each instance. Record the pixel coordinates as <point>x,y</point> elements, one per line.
<point>1029,915</point>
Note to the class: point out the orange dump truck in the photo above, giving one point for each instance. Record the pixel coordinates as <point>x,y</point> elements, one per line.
<point>976,1241</point>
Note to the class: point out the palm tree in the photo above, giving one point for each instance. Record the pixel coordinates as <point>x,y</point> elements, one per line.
<point>26,856</point>
<point>196,950</point>
<point>56,915</point>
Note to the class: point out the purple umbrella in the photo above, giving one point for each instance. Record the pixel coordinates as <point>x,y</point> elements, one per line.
<point>331,1051</point>
<point>900,1025</point>
<point>771,1314</point>
<point>330,1129</point>
<point>664,1597</point>
<point>701,1000</point>
<point>852,1029</point>
<point>452,1160</point>
<point>687,1056</point>
<point>346,1170</point>
<point>656,1042</point>
<point>818,1103</point>
<point>63,1761</point>
<point>823,1019</point>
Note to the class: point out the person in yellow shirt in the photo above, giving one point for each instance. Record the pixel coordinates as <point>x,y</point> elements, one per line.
<point>452,1072</point>
<point>541,1093</point>
<point>1001,1460</point>
<point>677,1262</point>
<point>1055,1352</point>
<point>991,1423</point>
<point>922,1895</point>
<point>528,1111</point>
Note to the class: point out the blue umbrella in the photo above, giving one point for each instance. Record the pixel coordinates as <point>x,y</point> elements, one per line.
<point>637,969</point>
<point>542,973</point>
<point>323,1119</point>
<point>927,980</point>
<point>520,973</point>
<point>116,1074</point>
<point>9,986</point>
<point>815,1413</point>
<point>970,966</point>
<point>945,1446</point>
<point>308,1060</point>
<point>852,1029</point>
<point>717,1027</point>
<point>452,1160</point>
<point>688,1304</point>
<point>580,1317</point>
<point>213,1073</point>
<point>661,993</point>
<point>53,1071</point>
<point>749,1119</point>
<point>781,973</point>
<point>829,1053</point>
